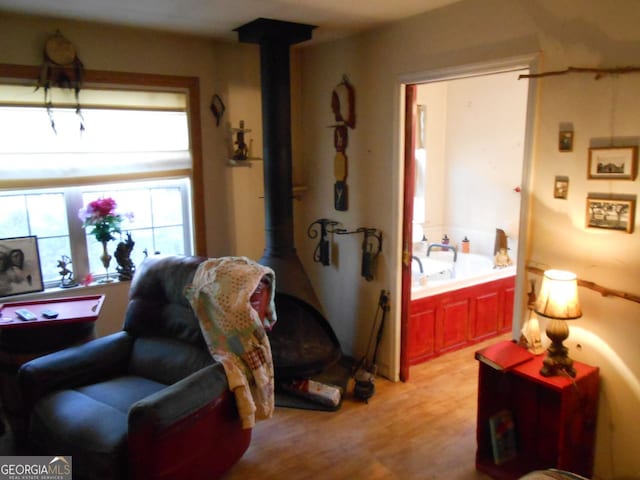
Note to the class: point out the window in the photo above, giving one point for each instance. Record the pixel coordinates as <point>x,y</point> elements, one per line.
<point>137,152</point>
<point>161,222</point>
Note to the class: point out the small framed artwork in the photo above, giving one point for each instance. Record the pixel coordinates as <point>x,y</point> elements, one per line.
<point>20,266</point>
<point>611,213</point>
<point>617,163</point>
<point>561,187</point>
<point>565,141</point>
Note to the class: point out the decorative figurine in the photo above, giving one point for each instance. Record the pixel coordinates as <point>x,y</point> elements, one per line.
<point>502,259</point>
<point>125,267</point>
<point>66,273</point>
<point>241,152</point>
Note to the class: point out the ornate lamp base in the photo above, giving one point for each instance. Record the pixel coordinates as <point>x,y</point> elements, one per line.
<point>557,361</point>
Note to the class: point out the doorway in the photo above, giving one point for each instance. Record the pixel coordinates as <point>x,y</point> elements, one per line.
<point>458,184</point>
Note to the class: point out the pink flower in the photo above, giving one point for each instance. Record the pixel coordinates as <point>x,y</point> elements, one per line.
<point>103,207</point>
<point>102,216</point>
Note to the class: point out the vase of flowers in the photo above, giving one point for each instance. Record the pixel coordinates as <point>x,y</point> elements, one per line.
<point>105,221</point>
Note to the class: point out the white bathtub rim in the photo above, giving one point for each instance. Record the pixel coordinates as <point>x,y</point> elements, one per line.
<point>435,287</point>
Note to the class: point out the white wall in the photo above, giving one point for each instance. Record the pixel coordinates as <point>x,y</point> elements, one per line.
<point>475,142</point>
<point>471,32</point>
<point>434,97</point>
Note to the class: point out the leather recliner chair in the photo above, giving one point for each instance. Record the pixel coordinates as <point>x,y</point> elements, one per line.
<point>146,402</point>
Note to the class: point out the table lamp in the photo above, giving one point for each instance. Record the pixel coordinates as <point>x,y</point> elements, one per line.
<point>558,301</point>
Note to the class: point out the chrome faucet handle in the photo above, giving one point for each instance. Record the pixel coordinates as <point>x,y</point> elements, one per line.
<point>445,246</point>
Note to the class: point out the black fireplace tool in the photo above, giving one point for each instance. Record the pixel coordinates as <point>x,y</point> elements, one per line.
<point>365,372</point>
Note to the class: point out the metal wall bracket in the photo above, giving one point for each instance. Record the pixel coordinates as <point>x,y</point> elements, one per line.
<point>321,228</point>
<point>371,244</point>
<point>371,248</point>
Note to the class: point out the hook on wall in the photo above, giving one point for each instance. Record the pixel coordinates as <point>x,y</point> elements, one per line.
<point>322,252</point>
<point>371,248</point>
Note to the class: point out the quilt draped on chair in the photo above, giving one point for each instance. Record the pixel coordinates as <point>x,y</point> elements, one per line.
<point>220,295</point>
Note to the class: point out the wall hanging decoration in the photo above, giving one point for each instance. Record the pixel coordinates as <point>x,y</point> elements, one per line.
<point>20,266</point>
<point>565,141</point>
<point>343,108</point>
<point>561,187</point>
<point>61,68</point>
<point>371,248</point>
<point>322,252</point>
<point>613,163</point>
<point>611,212</point>
<point>217,108</point>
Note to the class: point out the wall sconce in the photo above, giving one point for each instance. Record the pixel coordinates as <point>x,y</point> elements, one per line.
<point>558,301</point>
<point>371,244</point>
<point>371,248</point>
<point>322,252</point>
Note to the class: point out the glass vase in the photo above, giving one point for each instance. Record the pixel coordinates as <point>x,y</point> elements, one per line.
<point>105,258</point>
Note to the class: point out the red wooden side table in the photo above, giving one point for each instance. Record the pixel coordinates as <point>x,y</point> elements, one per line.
<point>554,418</point>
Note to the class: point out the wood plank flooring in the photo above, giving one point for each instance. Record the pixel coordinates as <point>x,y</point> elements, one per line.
<point>423,429</point>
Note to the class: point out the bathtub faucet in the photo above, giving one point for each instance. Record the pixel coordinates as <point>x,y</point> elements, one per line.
<point>444,246</point>
<point>419,263</point>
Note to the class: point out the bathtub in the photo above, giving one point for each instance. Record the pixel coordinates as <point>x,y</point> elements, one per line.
<point>441,274</point>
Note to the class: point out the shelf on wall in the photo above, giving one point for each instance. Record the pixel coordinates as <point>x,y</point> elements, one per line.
<point>298,190</point>
<point>243,163</point>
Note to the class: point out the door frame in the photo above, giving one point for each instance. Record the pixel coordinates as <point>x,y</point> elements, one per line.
<point>408,88</point>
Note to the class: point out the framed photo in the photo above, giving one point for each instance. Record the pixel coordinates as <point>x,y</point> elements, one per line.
<point>20,266</point>
<point>611,213</point>
<point>561,187</point>
<point>619,163</point>
<point>565,141</point>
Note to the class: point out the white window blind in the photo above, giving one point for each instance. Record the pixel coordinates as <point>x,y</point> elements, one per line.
<point>126,133</point>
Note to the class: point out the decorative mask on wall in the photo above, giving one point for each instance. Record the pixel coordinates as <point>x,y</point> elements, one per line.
<point>343,107</point>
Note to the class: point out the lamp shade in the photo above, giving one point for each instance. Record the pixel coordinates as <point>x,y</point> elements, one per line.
<point>558,296</point>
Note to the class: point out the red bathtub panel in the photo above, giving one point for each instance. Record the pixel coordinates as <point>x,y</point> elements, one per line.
<point>452,320</point>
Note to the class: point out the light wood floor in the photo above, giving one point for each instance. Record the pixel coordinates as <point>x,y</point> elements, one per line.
<point>423,429</point>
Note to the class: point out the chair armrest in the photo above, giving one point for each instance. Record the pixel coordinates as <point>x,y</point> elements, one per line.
<point>188,428</point>
<point>178,401</point>
<point>79,365</point>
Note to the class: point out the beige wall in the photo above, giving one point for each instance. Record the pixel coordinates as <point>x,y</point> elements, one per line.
<point>562,34</point>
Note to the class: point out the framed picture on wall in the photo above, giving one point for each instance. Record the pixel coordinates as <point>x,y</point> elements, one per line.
<point>609,163</point>
<point>20,266</point>
<point>561,187</point>
<point>611,212</point>
<point>565,141</point>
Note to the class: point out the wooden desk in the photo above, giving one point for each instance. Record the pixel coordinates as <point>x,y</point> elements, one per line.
<point>554,417</point>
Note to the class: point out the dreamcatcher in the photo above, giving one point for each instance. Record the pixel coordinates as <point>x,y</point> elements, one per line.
<point>61,68</point>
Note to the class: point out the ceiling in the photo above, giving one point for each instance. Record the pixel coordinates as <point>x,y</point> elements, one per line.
<point>218,18</point>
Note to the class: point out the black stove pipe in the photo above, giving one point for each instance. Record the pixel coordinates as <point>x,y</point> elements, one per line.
<point>275,38</point>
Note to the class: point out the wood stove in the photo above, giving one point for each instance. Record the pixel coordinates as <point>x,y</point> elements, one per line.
<point>302,341</point>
